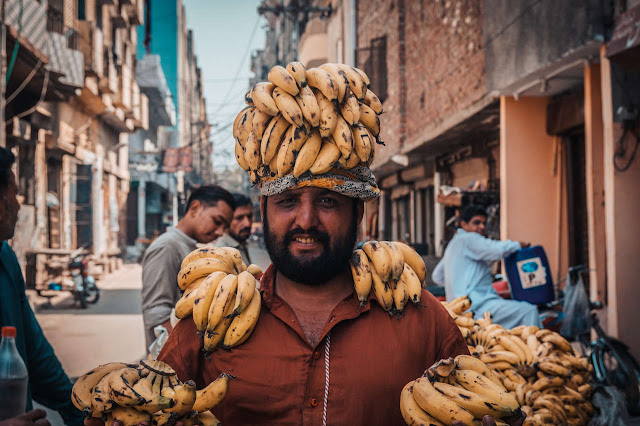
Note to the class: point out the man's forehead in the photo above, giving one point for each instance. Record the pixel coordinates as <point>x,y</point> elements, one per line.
<point>311,191</point>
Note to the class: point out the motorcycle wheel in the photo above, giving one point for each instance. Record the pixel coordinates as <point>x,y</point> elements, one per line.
<point>82,298</point>
<point>92,293</point>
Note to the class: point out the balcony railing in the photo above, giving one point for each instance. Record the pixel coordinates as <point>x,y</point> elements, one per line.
<point>29,19</point>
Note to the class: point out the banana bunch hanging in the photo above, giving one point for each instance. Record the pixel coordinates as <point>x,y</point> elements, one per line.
<point>221,294</point>
<point>392,270</point>
<point>148,392</point>
<point>307,121</point>
<point>538,367</point>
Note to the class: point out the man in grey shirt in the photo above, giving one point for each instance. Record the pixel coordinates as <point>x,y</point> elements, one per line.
<point>209,212</point>
<point>239,231</point>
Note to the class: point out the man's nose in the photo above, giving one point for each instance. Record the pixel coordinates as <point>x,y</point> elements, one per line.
<point>306,217</point>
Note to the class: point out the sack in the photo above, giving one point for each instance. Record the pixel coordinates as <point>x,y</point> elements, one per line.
<point>610,405</point>
<point>576,309</point>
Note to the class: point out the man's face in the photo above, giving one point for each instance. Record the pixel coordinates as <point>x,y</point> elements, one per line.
<point>310,233</point>
<point>209,222</point>
<point>9,207</point>
<point>477,224</point>
<point>240,227</point>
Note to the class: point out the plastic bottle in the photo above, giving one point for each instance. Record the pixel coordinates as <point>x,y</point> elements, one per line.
<point>13,377</point>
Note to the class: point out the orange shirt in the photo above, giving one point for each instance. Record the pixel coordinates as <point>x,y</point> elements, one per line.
<point>353,377</point>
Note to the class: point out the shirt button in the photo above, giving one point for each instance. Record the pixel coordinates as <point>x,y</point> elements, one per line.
<point>313,402</point>
<point>316,355</point>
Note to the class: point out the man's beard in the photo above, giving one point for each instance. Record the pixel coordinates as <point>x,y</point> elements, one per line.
<point>314,270</point>
<point>240,238</point>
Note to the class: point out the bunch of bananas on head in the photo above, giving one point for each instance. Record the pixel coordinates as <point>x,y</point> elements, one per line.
<point>464,389</point>
<point>307,121</point>
<point>392,270</point>
<point>221,293</point>
<point>538,367</point>
<point>148,392</point>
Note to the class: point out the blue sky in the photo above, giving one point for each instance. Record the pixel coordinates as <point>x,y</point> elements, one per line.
<point>224,44</point>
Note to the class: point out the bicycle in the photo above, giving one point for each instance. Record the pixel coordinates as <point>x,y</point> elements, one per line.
<point>613,364</point>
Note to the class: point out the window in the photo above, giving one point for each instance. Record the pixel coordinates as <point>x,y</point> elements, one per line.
<point>373,61</point>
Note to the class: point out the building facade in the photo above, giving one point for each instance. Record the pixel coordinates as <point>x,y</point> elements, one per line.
<point>71,103</point>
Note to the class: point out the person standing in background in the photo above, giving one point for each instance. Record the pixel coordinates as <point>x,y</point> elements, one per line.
<point>48,383</point>
<point>237,236</point>
<point>209,212</point>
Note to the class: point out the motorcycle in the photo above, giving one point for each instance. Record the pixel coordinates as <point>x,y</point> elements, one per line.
<point>84,290</point>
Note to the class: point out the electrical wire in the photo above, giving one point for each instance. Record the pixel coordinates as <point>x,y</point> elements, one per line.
<point>43,92</point>
<point>622,149</point>
<point>24,83</point>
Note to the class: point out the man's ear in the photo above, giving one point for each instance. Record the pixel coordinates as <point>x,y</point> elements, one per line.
<point>194,208</point>
<point>360,210</point>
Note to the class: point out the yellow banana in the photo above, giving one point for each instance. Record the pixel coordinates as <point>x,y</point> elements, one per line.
<point>213,337</point>
<point>413,259</point>
<point>128,416</point>
<point>361,273</point>
<point>288,106</point>
<point>339,77</point>
<point>184,306</point>
<point>298,71</point>
<point>240,157</point>
<point>307,154</point>
<point>207,418</point>
<point>243,323</point>
<point>229,255</point>
<point>283,80</point>
<point>224,295</point>
<point>343,137</point>
<point>397,259</point>
<point>153,402</point>
<point>242,125</point>
<point>476,404</point>
<point>121,387</point>
<point>400,295</point>
<point>201,268</point>
<point>210,396</point>
<point>547,382</point>
<point>411,412</point>
<point>323,81</point>
<point>247,98</point>
<point>81,393</point>
<point>328,114</point>
<point>414,287</point>
<point>553,369</point>
<point>558,341</point>
<point>252,152</point>
<point>362,142</point>
<point>260,123</point>
<point>309,105</point>
<point>245,292</point>
<point>204,297</point>
<point>327,157</point>
<point>347,163</point>
<point>286,158</point>
<point>184,396</point>
<point>356,82</point>
<point>524,348</point>
<point>272,138</point>
<point>533,343</point>
<point>439,406</point>
<point>350,109</point>
<point>364,75</point>
<point>372,101</point>
<point>476,382</point>
<point>496,356</point>
<point>379,258</point>
<point>382,292</point>
<point>508,343</point>
<point>261,95</point>
<point>370,119</point>
<point>254,269</point>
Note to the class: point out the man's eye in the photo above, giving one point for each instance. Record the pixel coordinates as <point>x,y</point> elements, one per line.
<point>287,201</point>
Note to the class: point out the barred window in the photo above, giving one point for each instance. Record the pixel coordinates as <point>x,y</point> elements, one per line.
<point>373,61</point>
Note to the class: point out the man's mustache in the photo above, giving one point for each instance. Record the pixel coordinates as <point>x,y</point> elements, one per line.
<point>322,237</point>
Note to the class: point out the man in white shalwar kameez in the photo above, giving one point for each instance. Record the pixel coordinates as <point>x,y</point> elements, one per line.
<point>464,270</point>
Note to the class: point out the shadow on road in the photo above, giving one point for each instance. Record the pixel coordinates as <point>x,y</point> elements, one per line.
<point>112,302</point>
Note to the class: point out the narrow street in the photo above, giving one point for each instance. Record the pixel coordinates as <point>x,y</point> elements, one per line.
<point>107,331</point>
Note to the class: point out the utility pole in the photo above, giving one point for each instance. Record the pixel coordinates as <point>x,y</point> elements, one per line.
<point>3,74</point>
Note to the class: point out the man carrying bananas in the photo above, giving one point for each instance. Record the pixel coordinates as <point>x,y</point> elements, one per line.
<point>317,356</point>
<point>209,211</point>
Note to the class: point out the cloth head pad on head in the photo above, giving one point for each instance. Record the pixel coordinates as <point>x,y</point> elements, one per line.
<point>358,182</point>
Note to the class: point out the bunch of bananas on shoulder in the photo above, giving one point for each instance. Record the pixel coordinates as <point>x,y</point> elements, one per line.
<point>148,392</point>
<point>549,379</point>
<point>464,389</point>
<point>307,121</point>
<point>393,271</point>
<point>220,294</point>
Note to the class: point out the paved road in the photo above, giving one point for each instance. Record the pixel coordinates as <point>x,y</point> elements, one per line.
<point>110,330</point>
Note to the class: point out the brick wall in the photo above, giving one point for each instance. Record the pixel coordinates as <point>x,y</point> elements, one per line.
<point>443,69</point>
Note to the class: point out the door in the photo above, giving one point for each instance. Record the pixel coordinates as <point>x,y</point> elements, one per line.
<point>577,201</point>
<point>81,195</point>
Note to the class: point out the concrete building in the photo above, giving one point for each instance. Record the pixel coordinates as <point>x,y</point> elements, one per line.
<point>518,107</point>
<point>167,36</point>
<point>71,104</point>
